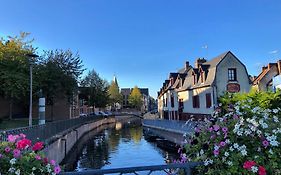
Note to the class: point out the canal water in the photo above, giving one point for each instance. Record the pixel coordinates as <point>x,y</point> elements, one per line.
<point>116,146</point>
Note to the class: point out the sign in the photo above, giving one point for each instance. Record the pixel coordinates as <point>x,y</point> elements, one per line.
<point>233,87</point>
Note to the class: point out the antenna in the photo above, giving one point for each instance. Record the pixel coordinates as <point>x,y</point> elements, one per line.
<point>206,48</point>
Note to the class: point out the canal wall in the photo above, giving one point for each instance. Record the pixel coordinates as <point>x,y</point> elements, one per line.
<point>60,145</point>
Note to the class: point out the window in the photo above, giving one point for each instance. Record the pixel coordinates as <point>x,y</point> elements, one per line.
<point>196,102</point>
<point>194,79</point>
<point>172,101</point>
<point>208,100</point>
<point>202,77</point>
<point>166,103</point>
<point>232,76</point>
<point>180,103</point>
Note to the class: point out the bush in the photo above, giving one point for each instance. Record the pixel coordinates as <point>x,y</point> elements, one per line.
<point>19,156</point>
<point>242,137</point>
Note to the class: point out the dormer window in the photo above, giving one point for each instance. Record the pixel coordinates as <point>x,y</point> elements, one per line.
<point>202,76</point>
<point>194,79</point>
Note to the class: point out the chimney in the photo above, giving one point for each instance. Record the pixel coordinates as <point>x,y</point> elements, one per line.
<point>263,68</point>
<point>186,66</point>
<point>199,61</point>
<point>279,66</point>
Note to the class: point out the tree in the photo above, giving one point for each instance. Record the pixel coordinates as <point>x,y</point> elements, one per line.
<point>114,93</point>
<point>135,98</point>
<point>57,74</point>
<point>97,89</point>
<point>14,68</point>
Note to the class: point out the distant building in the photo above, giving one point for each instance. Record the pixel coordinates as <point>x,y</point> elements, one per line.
<point>269,78</point>
<point>145,95</point>
<point>193,91</point>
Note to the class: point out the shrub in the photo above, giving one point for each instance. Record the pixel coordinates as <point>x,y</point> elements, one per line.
<point>242,137</point>
<point>19,156</point>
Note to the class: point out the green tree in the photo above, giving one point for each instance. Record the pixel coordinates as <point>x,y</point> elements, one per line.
<point>57,74</point>
<point>97,89</point>
<point>135,98</point>
<point>14,68</point>
<point>114,94</point>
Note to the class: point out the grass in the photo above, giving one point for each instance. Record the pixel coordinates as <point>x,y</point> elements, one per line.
<point>15,123</point>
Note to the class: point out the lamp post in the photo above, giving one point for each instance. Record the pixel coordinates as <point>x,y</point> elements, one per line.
<point>31,57</point>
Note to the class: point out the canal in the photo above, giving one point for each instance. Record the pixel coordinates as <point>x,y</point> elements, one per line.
<point>115,146</point>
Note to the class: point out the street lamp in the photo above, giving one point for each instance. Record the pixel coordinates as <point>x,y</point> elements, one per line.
<point>31,57</point>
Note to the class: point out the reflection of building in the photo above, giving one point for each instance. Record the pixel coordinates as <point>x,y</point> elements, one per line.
<point>193,91</point>
<point>145,97</point>
<point>269,77</point>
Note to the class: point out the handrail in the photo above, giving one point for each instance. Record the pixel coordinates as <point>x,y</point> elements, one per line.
<point>187,167</point>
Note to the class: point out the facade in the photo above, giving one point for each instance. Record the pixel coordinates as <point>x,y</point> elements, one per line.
<point>193,91</point>
<point>145,95</point>
<point>269,78</point>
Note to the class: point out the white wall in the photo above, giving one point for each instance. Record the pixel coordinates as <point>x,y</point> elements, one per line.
<point>222,75</point>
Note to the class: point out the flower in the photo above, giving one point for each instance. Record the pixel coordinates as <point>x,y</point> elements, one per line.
<point>216,152</point>
<point>38,157</point>
<point>57,169</point>
<point>222,143</point>
<point>262,170</point>
<point>11,138</point>
<point>53,162</point>
<point>37,146</point>
<point>216,127</point>
<point>265,143</point>
<point>23,144</point>
<point>248,165</point>
<point>254,169</point>
<point>7,149</point>
<point>224,129</point>
<point>16,153</point>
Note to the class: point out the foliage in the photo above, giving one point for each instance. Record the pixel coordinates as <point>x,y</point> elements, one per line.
<point>14,67</point>
<point>114,93</point>
<point>97,89</point>
<point>135,98</point>
<point>57,74</point>
<point>19,156</point>
<point>243,136</point>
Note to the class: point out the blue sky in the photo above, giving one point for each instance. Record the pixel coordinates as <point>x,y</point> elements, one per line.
<point>141,41</point>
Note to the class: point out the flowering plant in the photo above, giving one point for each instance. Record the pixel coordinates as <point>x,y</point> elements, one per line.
<point>242,137</point>
<point>19,156</point>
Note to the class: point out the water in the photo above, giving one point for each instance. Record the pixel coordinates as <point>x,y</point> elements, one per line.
<point>116,147</point>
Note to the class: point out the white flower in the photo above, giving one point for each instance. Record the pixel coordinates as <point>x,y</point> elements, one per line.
<point>216,147</point>
<point>274,143</point>
<point>231,148</point>
<point>13,161</point>
<point>17,172</point>
<point>235,145</point>
<point>275,111</point>
<point>206,162</point>
<point>259,132</point>
<point>226,154</point>
<point>227,141</point>
<point>254,169</point>
<point>201,152</point>
<point>244,152</point>
<point>32,173</point>
<point>34,168</point>
<point>239,133</point>
<point>275,119</point>
<point>12,169</point>
<point>264,125</point>
<point>229,163</point>
<point>211,161</point>
<point>270,151</point>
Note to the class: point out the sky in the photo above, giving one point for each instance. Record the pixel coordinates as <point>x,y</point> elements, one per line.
<point>142,41</point>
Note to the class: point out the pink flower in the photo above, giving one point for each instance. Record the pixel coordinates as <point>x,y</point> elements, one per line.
<point>57,169</point>
<point>224,129</point>
<point>197,129</point>
<point>216,127</point>
<point>210,129</point>
<point>22,135</point>
<point>248,164</point>
<point>216,152</point>
<point>1,156</point>
<point>53,162</point>
<point>38,157</point>
<point>16,153</point>
<point>262,170</point>
<point>265,143</point>
<point>222,143</point>
<point>235,116</point>
<point>23,144</point>
<point>11,138</point>
<point>37,146</point>
<point>7,149</point>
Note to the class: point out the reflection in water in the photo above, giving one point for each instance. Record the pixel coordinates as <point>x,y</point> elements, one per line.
<point>115,148</point>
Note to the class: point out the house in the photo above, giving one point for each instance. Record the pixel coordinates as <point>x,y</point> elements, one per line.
<point>269,78</point>
<point>145,98</point>
<point>193,91</point>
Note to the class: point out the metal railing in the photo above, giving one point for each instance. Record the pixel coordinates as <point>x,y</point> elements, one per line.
<point>48,130</point>
<point>170,169</point>
<point>182,127</point>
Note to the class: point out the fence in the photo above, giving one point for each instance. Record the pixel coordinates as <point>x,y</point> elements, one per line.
<point>170,169</point>
<point>48,130</point>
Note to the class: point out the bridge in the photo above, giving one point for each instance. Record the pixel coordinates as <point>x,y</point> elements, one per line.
<point>61,136</point>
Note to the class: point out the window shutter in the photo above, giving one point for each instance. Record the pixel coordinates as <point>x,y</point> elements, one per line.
<point>208,100</point>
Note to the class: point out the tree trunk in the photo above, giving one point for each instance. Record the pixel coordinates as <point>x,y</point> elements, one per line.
<point>11,109</point>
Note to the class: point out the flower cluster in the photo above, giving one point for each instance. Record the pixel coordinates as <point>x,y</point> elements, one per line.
<point>241,138</point>
<point>19,156</point>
